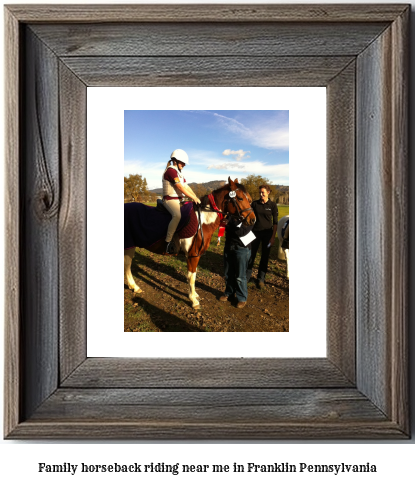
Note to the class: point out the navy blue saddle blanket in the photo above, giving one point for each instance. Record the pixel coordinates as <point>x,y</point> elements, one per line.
<point>144,225</point>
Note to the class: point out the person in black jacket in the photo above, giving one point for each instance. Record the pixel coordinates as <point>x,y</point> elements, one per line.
<point>236,258</point>
<point>265,228</point>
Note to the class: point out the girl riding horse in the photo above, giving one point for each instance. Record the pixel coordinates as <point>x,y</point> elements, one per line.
<point>174,188</point>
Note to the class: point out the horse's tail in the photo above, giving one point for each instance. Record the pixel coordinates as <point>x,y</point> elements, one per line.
<point>281,253</point>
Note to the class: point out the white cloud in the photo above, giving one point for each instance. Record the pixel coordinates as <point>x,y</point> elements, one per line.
<point>254,167</point>
<point>233,125</point>
<point>271,138</point>
<point>206,166</point>
<point>238,155</point>
<point>196,172</point>
<point>227,166</point>
<point>268,136</point>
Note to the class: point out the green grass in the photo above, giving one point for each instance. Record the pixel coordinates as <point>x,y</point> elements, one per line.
<point>213,259</point>
<point>140,318</point>
<point>283,210</point>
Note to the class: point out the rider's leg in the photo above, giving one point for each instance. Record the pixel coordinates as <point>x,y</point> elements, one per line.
<point>173,206</point>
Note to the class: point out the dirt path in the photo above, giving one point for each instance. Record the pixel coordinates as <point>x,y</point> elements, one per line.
<point>165,307</point>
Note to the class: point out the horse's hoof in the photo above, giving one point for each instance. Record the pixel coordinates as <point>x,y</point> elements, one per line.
<point>139,290</point>
<point>197,307</point>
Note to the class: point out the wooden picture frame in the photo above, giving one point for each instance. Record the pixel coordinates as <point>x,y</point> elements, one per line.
<point>360,53</point>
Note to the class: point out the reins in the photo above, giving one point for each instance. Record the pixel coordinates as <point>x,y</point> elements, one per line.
<point>206,209</point>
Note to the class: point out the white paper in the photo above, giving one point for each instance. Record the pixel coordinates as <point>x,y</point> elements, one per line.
<point>248,238</point>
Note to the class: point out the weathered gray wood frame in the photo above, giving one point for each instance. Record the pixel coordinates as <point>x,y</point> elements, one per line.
<point>359,52</point>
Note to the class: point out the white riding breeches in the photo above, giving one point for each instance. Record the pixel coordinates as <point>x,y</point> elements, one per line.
<point>173,206</point>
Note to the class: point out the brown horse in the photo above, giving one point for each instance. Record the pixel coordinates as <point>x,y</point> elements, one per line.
<point>230,199</point>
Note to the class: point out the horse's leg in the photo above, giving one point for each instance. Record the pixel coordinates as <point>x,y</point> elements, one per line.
<point>191,279</point>
<point>281,253</point>
<point>286,257</point>
<point>128,259</point>
<point>185,245</point>
<point>193,296</point>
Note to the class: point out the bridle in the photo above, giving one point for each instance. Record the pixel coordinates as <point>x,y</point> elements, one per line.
<point>239,211</point>
<point>213,208</point>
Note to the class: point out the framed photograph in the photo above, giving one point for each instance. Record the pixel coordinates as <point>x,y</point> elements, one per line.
<point>256,118</point>
<point>233,139</point>
<point>359,53</point>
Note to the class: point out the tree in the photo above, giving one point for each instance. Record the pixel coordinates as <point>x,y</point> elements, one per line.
<point>252,184</point>
<point>136,189</point>
<point>281,194</point>
<point>277,194</point>
<point>152,197</point>
<point>283,198</point>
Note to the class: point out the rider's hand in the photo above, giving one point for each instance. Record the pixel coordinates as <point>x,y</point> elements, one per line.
<point>196,200</point>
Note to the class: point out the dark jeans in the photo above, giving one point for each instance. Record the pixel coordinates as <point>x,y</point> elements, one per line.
<point>236,261</point>
<point>262,237</point>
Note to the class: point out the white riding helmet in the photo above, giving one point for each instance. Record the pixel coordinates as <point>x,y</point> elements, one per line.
<point>180,155</point>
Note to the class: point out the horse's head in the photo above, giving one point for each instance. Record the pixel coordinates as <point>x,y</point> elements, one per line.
<point>239,202</point>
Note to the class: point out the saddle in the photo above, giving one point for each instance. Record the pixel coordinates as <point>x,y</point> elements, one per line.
<point>145,225</point>
<point>160,207</point>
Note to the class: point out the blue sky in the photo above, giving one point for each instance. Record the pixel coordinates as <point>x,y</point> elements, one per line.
<point>220,143</point>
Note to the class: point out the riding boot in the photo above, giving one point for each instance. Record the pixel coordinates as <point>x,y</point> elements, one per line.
<point>170,248</point>
<point>261,277</point>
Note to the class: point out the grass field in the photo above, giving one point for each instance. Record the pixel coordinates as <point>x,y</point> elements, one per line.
<point>283,210</point>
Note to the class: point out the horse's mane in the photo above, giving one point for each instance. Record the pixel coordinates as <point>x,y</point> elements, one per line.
<point>205,201</point>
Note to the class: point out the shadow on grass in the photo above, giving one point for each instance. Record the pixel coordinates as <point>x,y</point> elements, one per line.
<point>168,270</point>
<point>212,260</point>
<point>161,288</point>
<point>165,321</point>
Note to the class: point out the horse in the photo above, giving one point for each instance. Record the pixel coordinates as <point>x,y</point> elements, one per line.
<point>232,199</point>
<point>283,250</point>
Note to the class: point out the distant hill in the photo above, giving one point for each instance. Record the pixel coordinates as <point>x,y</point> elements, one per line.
<point>280,193</point>
<point>281,188</point>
